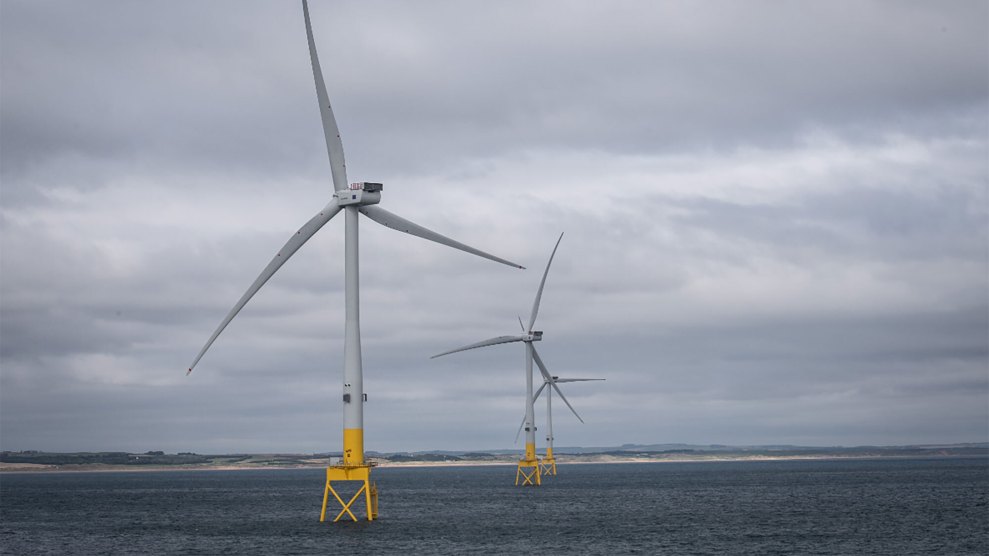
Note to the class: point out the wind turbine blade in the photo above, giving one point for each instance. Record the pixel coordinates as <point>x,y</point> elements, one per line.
<point>334,146</point>
<point>518,432</point>
<point>534,398</point>
<point>290,247</point>
<point>483,343</point>
<point>564,398</point>
<point>551,382</point>
<point>547,378</point>
<point>396,222</point>
<point>538,392</point>
<point>539,292</point>
<point>559,380</point>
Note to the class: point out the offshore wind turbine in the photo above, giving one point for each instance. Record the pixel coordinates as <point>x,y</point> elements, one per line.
<point>548,464</point>
<point>528,467</point>
<point>354,199</point>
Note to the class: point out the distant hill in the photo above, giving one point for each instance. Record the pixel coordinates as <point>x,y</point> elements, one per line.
<point>977,448</point>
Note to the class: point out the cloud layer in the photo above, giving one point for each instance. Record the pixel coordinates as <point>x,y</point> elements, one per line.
<point>775,221</point>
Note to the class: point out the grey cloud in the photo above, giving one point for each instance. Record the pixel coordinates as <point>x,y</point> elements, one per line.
<point>775,221</point>
<point>942,222</point>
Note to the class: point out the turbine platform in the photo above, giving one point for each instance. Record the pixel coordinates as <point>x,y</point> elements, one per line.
<point>351,473</point>
<point>528,473</point>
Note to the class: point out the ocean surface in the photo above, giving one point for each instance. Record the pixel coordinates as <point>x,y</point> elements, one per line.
<point>901,507</point>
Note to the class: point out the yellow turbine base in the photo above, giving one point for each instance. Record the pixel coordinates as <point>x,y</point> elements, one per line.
<point>547,465</point>
<point>359,473</point>
<point>528,473</point>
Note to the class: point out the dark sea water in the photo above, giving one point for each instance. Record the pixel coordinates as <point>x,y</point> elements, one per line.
<point>901,507</point>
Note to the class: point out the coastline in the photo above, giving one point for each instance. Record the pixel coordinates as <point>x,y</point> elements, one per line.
<point>33,468</point>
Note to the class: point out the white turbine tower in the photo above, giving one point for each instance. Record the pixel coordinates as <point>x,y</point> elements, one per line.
<point>548,465</point>
<point>354,199</point>
<point>528,467</point>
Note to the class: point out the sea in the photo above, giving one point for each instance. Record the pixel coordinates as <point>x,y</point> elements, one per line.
<point>848,507</point>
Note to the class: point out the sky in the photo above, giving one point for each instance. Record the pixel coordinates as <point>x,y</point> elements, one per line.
<point>774,216</point>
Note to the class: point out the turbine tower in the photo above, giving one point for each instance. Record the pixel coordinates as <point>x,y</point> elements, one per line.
<point>354,199</point>
<point>548,463</point>
<point>528,470</point>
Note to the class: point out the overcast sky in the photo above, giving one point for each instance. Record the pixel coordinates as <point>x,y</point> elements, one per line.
<point>775,221</point>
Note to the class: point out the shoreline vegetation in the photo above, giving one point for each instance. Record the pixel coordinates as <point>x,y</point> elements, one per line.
<point>45,462</point>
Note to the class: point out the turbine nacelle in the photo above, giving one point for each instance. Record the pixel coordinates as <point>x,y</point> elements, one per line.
<point>359,194</point>
<point>533,336</point>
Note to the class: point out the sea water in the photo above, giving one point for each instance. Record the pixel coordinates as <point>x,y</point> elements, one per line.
<point>901,507</point>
